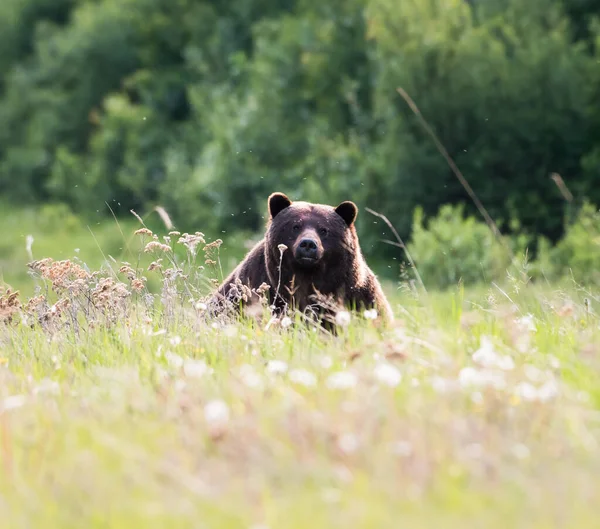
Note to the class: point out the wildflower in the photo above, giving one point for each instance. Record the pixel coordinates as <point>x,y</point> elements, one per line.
<point>155,265</point>
<point>138,284</point>
<point>286,322</point>
<point>348,443</point>
<point>533,373</point>
<point>195,368</point>
<point>156,246</point>
<point>175,340</point>
<point>201,307</point>
<point>342,318</point>
<point>488,357</point>
<point>143,231</point>
<point>526,391</point>
<point>174,361</point>
<point>548,391</point>
<point>440,385</point>
<point>282,248</point>
<point>192,241</point>
<point>13,402</point>
<point>216,413</point>
<point>472,377</point>
<point>527,323</point>
<point>277,367</point>
<point>370,314</point>
<point>342,380</point>
<point>47,386</point>
<point>250,378</point>
<point>303,377</point>
<point>387,374</point>
<point>326,362</point>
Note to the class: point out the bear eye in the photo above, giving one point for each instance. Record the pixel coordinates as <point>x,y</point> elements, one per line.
<point>295,228</point>
<point>322,232</point>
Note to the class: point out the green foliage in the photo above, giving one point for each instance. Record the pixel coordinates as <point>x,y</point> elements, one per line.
<point>577,254</point>
<point>455,248</point>
<point>205,107</point>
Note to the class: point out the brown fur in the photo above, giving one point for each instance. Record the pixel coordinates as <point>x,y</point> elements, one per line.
<point>340,274</point>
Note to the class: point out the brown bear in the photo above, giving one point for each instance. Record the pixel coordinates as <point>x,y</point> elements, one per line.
<point>310,260</point>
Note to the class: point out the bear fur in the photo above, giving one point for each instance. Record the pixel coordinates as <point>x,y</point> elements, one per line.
<point>322,267</point>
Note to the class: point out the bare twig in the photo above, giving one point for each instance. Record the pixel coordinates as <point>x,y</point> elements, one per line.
<point>562,187</point>
<point>400,244</point>
<point>488,219</point>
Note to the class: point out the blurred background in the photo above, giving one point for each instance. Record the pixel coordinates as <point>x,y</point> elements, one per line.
<point>204,107</point>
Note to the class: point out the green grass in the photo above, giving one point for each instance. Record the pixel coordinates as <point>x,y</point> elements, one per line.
<point>139,414</point>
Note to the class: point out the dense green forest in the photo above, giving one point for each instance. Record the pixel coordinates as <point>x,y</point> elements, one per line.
<point>204,106</point>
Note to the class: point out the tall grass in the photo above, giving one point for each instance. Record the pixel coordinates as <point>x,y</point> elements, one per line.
<point>123,406</point>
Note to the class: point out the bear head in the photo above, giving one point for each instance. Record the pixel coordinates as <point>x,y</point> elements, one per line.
<point>318,238</point>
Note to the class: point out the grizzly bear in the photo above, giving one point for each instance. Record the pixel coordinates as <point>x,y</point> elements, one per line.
<point>309,260</point>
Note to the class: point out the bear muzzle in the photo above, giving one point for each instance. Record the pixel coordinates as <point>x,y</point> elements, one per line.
<point>308,252</point>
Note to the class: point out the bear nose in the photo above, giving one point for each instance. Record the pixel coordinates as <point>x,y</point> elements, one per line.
<point>307,248</point>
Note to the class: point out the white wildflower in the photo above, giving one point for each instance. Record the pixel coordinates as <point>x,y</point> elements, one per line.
<point>286,322</point>
<point>47,386</point>
<point>554,362</point>
<point>175,341</point>
<point>527,323</point>
<point>348,443</point>
<point>342,318</point>
<point>387,374</point>
<point>533,373</point>
<point>486,356</point>
<point>303,377</point>
<point>216,413</point>
<point>326,362</point>
<point>526,391</point>
<point>250,378</point>
<point>440,385</point>
<point>174,360</point>
<point>370,314</point>
<point>201,307</point>
<point>195,368</point>
<point>548,391</point>
<point>282,248</point>
<point>13,402</point>
<point>342,380</point>
<point>470,377</point>
<point>277,367</point>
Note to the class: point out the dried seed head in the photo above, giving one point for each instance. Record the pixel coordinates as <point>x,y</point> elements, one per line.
<point>144,231</point>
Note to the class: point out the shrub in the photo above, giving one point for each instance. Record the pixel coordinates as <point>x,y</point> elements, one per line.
<point>453,247</point>
<point>577,254</point>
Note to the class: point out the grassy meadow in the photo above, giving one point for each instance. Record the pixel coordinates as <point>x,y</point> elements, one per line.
<point>123,405</point>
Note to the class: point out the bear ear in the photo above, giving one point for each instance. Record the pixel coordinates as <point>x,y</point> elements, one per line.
<point>348,211</point>
<point>277,203</point>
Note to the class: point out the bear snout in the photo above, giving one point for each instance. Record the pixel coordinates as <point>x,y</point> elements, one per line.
<point>308,251</point>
